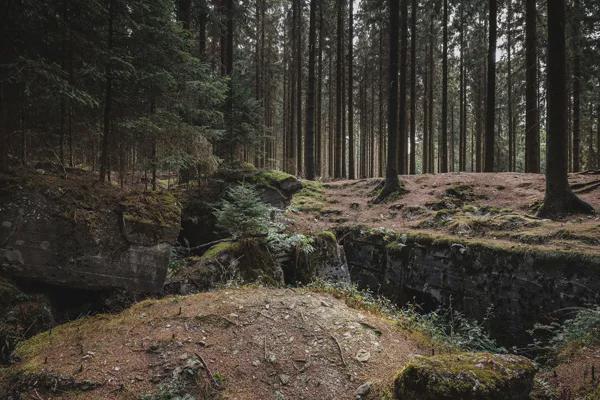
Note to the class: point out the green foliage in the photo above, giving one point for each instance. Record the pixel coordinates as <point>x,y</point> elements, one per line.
<point>581,330</point>
<point>584,328</point>
<point>243,214</point>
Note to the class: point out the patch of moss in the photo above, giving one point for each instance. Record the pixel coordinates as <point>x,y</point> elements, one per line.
<point>152,208</point>
<point>476,376</point>
<point>327,235</point>
<point>395,246</point>
<point>271,177</point>
<point>310,199</point>
<point>218,249</point>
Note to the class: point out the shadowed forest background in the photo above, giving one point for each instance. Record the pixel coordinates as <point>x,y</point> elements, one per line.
<point>133,88</point>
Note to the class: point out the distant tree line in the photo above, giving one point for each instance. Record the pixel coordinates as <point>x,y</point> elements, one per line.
<point>126,86</point>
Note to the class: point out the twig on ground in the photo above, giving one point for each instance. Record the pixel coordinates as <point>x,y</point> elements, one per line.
<point>340,350</point>
<point>213,381</point>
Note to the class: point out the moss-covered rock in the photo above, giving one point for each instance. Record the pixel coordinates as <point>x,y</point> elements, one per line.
<point>245,261</point>
<point>466,376</point>
<point>151,217</point>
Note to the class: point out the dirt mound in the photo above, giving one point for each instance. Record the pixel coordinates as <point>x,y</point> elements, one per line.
<point>246,343</point>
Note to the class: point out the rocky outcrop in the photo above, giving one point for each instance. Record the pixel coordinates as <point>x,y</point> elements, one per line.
<point>327,262</point>
<point>467,376</point>
<point>74,234</point>
<point>510,288</point>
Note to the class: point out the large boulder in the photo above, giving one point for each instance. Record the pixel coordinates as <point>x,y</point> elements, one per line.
<point>246,261</point>
<point>466,376</point>
<point>77,233</point>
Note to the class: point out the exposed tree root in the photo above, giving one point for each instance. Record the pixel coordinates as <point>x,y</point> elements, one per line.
<point>586,187</point>
<point>565,204</point>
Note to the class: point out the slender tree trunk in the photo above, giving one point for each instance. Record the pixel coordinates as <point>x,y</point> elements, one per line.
<point>413,88</point>
<point>444,137</point>
<point>299,90</point>
<point>430,112</point>
<point>392,183</point>
<point>309,151</point>
<point>339,139</point>
<point>532,120</point>
<point>576,43</point>
<point>462,140</point>
<point>426,83</point>
<point>402,142</point>
<point>319,123</point>
<point>559,199</point>
<point>351,150</point>
<point>490,114</point>
<point>202,19</point>
<point>380,105</point>
<point>104,161</point>
<point>510,119</point>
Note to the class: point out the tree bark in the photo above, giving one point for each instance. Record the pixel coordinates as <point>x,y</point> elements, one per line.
<point>532,120</point>
<point>392,183</point>
<point>576,43</point>
<point>559,199</point>
<point>444,137</point>
<point>104,159</point>
<point>510,119</point>
<point>413,88</point>
<point>351,150</point>
<point>339,140</point>
<point>309,150</point>
<point>402,148</point>
<point>490,115</point>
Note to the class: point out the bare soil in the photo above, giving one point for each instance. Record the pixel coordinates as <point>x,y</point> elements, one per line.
<point>482,206</point>
<point>257,343</point>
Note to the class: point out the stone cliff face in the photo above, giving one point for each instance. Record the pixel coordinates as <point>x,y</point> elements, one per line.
<point>68,234</point>
<point>509,288</point>
<point>71,247</point>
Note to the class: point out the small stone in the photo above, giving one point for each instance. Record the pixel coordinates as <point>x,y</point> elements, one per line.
<point>284,379</point>
<point>325,304</point>
<point>256,363</point>
<point>363,390</point>
<point>363,355</point>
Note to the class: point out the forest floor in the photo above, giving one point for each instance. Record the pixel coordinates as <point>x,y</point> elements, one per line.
<point>498,207</point>
<point>255,343</point>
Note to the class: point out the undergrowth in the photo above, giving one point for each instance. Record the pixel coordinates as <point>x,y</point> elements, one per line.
<point>581,330</point>
<point>445,326</point>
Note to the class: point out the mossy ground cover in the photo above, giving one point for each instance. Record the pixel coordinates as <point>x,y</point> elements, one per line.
<point>310,199</point>
<point>487,208</point>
